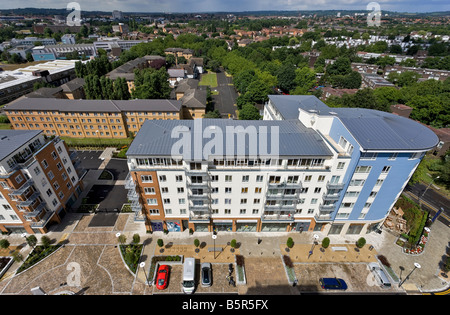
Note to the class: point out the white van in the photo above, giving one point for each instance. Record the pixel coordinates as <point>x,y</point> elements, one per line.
<point>380,276</point>
<point>188,283</point>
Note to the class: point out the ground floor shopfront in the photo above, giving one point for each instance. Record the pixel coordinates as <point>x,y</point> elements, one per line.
<point>258,225</point>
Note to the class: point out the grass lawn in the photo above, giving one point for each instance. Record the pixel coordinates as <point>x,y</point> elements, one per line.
<point>209,78</point>
<point>5,126</point>
<point>96,142</point>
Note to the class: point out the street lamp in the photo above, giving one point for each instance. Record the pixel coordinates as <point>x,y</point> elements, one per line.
<point>316,237</point>
<point>416,266</point>
<point>142,265</point>
<point>214,236</point>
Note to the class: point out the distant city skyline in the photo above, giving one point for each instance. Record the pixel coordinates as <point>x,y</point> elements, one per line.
<point>193,6</point>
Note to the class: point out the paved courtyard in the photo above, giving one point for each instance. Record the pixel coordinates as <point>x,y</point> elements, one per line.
<point>90,262</point>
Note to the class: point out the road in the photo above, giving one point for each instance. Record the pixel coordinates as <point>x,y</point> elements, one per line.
<point>431,201</point>
<point>226,100</point>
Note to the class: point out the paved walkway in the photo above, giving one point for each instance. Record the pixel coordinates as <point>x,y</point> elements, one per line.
<point>94,248</point>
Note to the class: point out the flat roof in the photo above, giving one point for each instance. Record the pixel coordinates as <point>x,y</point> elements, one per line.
<point>11,140</point>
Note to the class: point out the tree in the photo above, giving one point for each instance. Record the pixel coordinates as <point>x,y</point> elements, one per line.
<point>213,114</point>
<point>249,112</point>
<point>196,242</point>
<point>325,242</point>
<point>160,242</point>
<point>31,240</point>
<point>290,242</point>
<point>342,66</point>
<point>45,241</point>
<point>233,243</point>
<point>136,238</point>
<point>305,78</point>
<point>122,239</point>
<point>151,84</point>
<point>4,243</point>
<point>286,77</point>
<point>361,242</point>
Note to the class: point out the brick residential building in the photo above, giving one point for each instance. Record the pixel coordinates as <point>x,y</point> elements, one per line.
<point>39,181</point>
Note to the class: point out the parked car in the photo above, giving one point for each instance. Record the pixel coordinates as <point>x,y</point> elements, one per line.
<point>206,274</point>
<point>333,284</point>
<point>188,283</point>
<point>162,277</point>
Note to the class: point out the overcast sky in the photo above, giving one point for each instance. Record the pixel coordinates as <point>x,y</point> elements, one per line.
<point>231,5</point>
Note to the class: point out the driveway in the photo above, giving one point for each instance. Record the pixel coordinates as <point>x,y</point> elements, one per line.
<point>226,100</point>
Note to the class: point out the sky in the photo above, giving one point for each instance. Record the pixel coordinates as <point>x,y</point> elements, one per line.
<point>232,5</point>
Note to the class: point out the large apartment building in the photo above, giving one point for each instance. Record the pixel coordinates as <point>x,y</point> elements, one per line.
<point>306,167</point>
<point>89,118</point>
<point>39,180</point>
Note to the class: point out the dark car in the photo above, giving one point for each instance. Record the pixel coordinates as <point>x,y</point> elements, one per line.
<point>206,274</point>
<point>162,277</point>
<point>333,284</point>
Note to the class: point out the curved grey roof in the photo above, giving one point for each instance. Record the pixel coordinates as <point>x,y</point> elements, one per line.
<point>373,129</point>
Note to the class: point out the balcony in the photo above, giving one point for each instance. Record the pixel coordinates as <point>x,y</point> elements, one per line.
<point>22,189</point>
<point>282,196</point>
<point>330,197</point>
<point>335,185</point>
<point>35,212</point>
<point>30,200</point>
<point>43,222</point>
<point>285,185</point>
<point>323,218</point>
<point>132,195</point>
<point>203,207</point>
<point>139,217</point>
<point>193,217</point>
<point>129,182</point>
<point>327,207</point>
<point>281,207</point>
<point>277,217</point>
<point>204,197</point>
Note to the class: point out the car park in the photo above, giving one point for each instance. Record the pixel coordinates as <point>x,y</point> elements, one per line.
<point>206,274</point>
<point>333,284</point>
<point>162,277</point>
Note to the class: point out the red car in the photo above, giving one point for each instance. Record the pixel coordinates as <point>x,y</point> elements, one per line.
<point>162,277</point>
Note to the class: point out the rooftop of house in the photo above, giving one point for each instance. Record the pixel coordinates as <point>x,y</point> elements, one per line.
<point>11,140</point>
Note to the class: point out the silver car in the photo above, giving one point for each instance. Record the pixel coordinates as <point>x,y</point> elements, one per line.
<point>206,275</point>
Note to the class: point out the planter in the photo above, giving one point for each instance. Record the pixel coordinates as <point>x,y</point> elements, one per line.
<point>5,263</point>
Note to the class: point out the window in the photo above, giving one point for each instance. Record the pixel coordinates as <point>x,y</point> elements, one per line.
<point>357,182</point>
<point>146,178</point>
<point>243,201</point>
<point>228,178</point>
<point>181,201</point>
<point>56,185</point>
<point>19,178</point>
<point>393,156</point>
<point>317,190</point>
<point>180,190</point>
<point>321,178</point>
<point>363,169</point>
<point>164,190</point>
<point>369,155</point>
<point>343,142</point>
<point>314,201</point>
<point>379,182</point>
<point>385,169</point>
<point>258,190</point>
<point>228,190</point>
<point>341,165</point>
<point>44,164</point>
<point>227,201</point>
<point>7,207</point>
<point>54,155</point>
<point>308,178</point>
<point>244,190</point>
<point>245,178</point>
<point>149,190</point>
<point>152,201</point>
<point>59,166</point>
<point>166,200</point>
<point>242,211</point>
<point>50,175</point>
<point>227,211</point>
<point>179,178</point>
<point>259,178</point>
<point>162,178</point>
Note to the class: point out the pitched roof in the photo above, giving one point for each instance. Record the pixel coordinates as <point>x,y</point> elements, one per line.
<point>112,106</point>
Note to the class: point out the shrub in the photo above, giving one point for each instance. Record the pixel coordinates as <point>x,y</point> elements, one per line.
<point>136,238</point>
<point>45,241</point>
<point>4,243</point>
<point>191,231</point>
<point>290,242</point>
<point>447,264</point>
<point>160,242</point>
<point>361,242</point>
<point>122,239</point>
<point>233,243</point>
<point>31,240</point>
<point>325,242</point>
<point>384,260</point>
<point>196,242</point>
<point>287,261</point>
